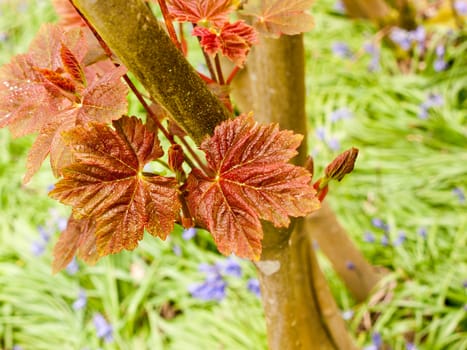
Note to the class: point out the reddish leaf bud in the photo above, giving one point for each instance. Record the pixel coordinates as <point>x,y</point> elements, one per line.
<point>343,164</point>
<point>176,158</point>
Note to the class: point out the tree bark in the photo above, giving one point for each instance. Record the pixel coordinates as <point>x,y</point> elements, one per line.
<point>136,38</point>
<point>300,310</point>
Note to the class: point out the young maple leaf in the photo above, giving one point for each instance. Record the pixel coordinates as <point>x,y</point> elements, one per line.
<point>106,182</point>
<point>252,180</point>
<point>234,40</point>
<point>49,90</point>
<point>200,11</point>
<point>277,17</point>
<point>68,16</point>
<point>78,238</point>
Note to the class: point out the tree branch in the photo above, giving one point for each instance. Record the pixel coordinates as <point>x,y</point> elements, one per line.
<point>132,32</point>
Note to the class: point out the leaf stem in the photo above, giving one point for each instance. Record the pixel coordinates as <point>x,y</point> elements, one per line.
<point>232,74</point>
<point>169,24</point>
<point>220,76</point>
<point>207,171</point>
<point>207,59</point>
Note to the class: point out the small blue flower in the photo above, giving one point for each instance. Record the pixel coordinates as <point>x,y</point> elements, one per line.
<point>213,288</point>
<point>62,223</point>
<point>38,248</point>
<point>17,347</point>
<point>464,284</point>
<point>459,193</point>
<point>419,36</point>
<point>400,239</point>
<point>341,50</point>
<point>81,301</point>
<point>378,223</point>
<point>376,339</point>
<point>369,237</point>
<point>410,346</point>
<point>177,250</point>
<point>402,38</point>
<point>385,241</point>
<point>253,286</point>
<point>422,231</point>
<point>103,329</point>
<point>339,6</point>
<point>341,113</point>
<point>439,64</point>
<point>188,233</point>
<point>320,133</point>
<point>334,144</point>
<point>73,267</point>
<point>231,267</point>
<point>461,7</point>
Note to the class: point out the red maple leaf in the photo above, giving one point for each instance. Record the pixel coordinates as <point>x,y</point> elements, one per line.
<point>252,180</point>
<point>200,11</point>
<point>234,40</point>
<point>277,17</point>
<point>67,14</point>
<point>77,239</point>
<point>106,182</point>
<point>50,90</point>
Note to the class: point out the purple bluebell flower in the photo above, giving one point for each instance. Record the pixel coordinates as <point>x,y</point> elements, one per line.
<point>369,237</point>
<point>459,193</point>
<point>188,233</point>
<point>16,347</point>
<point>461,7</point>
<point>213,288</point>
<point>3,37</point>
<point>385,240</point>
<point>347,314</point>
<point>440,64</point>
<point>44,234</point>
<point>401,37</point>
<point>253,286</point>
<point>464,284</point>
<point>73,267</point>
<point>341,50</point>
<point>334,144</point>
<point>62,223</point>
<point>341,113</point>
<point>410,346</point>
<point>432,100</point>
<point>349,265</point>
<point>401,237</point>
<point>339,6</point>
<point>230,266</point>
<point>419,36</point>
<point>373,51</point>
<point>81,301</point>
<point>104,329</point>
<point>376,339</point>
<point>378,223</point>
<point>320,133</point>
<point>38,248</point>
<point>423,232</point>
<point>177,250</point>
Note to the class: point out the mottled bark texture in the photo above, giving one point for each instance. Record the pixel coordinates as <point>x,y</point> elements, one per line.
<point>300,310</point>
<point>136,38</point>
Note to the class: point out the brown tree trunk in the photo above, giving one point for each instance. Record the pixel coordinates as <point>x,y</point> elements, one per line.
<point>369,9</point>
<point>300,310</point>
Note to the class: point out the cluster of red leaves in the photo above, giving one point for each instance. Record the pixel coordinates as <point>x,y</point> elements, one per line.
<point>114,200</point>
<point>49,90</point>
<point>212,26</point>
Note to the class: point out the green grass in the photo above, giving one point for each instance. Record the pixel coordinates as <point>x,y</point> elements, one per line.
<point>405,175</point>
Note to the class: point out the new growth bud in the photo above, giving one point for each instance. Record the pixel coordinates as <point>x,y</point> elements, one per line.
<point>176,158</point>
<point>343,164</point>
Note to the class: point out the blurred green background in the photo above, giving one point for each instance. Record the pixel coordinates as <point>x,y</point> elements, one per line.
<point>404,206</point>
